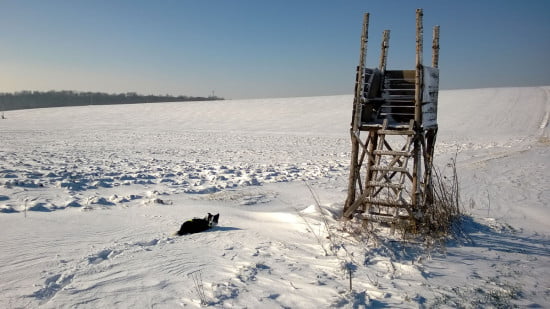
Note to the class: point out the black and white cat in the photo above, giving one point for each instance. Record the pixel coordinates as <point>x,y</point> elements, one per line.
<point>197,225</point>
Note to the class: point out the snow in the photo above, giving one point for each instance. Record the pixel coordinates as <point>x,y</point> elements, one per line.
<point>90,198</point>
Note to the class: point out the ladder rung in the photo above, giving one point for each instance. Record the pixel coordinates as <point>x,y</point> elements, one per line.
<point>384,217</point>
<point>398,114</point>
<point>385,185</point>
<point>379,217</point>
<point>396,106</point>
<point>372,213</point>
<point>398,102</point>
<point>402,97</point>
<point>399,85</point>
<point>392,153</point>
<point>409,80</point>
<point>389,168</point>
<point>396,132</point>
<point>376,100</point>
<point>400,89</point>
<point>395,83</point>
<point>387,203</point>
<point>405,101</point>
<point>403,92</point>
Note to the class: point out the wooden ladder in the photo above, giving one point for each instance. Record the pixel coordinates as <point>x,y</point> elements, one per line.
<point>386,196</point>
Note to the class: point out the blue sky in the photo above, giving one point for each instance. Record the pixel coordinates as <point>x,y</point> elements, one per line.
<point>255,49</point>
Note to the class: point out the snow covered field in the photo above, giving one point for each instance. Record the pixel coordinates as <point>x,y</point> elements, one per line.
<point>90,198</point>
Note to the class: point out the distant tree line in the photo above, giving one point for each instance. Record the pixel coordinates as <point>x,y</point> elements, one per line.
<point>40,99</point>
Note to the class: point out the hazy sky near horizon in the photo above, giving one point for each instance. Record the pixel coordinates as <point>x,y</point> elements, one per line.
<point>255,49</point>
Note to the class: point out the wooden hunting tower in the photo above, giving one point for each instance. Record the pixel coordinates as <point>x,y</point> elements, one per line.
<point>393,133</point>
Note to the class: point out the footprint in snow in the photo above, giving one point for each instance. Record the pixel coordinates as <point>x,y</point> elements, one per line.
<point>147,243</point>
<point>102,256</point>
<point>52,286</point>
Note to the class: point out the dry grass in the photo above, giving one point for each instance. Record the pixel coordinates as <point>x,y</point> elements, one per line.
<point>442,211</point>
<point>199,286</point>
<point>544,140</point>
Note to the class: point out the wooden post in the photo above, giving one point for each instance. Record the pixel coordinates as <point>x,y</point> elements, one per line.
<point>435,47</point>
<point>431,135</point>
<point>384,52</point>
<point>418,75</point>
<point>356,117</point>
<point>360,81</point>
<point>417,157</point>
<point>432,132</point>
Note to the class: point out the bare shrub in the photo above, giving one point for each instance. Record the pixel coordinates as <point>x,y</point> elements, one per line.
<point>442,209</point>
<point>199,287</point>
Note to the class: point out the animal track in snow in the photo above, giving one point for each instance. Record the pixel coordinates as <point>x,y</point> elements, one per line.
<point>102,256</point>
<point>52,286</point>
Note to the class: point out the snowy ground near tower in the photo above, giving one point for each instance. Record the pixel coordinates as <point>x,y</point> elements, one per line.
<point>90,198</point>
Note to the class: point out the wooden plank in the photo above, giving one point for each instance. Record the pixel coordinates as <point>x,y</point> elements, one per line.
<point>392,101</point>
<point>410,89</point>
<point>358,137</point>
<point>400,74</point>
<point>398,97</point>
<point>353,207</point>
<point>402,116</point>
<point>386,185</point>
<point>405,107</point>
<point>396,132</point>
<point>387,219</point>
<point>435,47</point>
<point>384,52</point>
<point>419,67</point>
<point>357,112</point>
<point>393,216</point>
<point>429,97</point>
<point>392,153</point>
<point>389,169</point>
<point>416,192</point>
<point>395,82</point>
<point>386,202</point>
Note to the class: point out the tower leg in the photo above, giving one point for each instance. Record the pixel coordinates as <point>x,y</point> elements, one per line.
<point>353,172</point>
<point>428,159</point>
